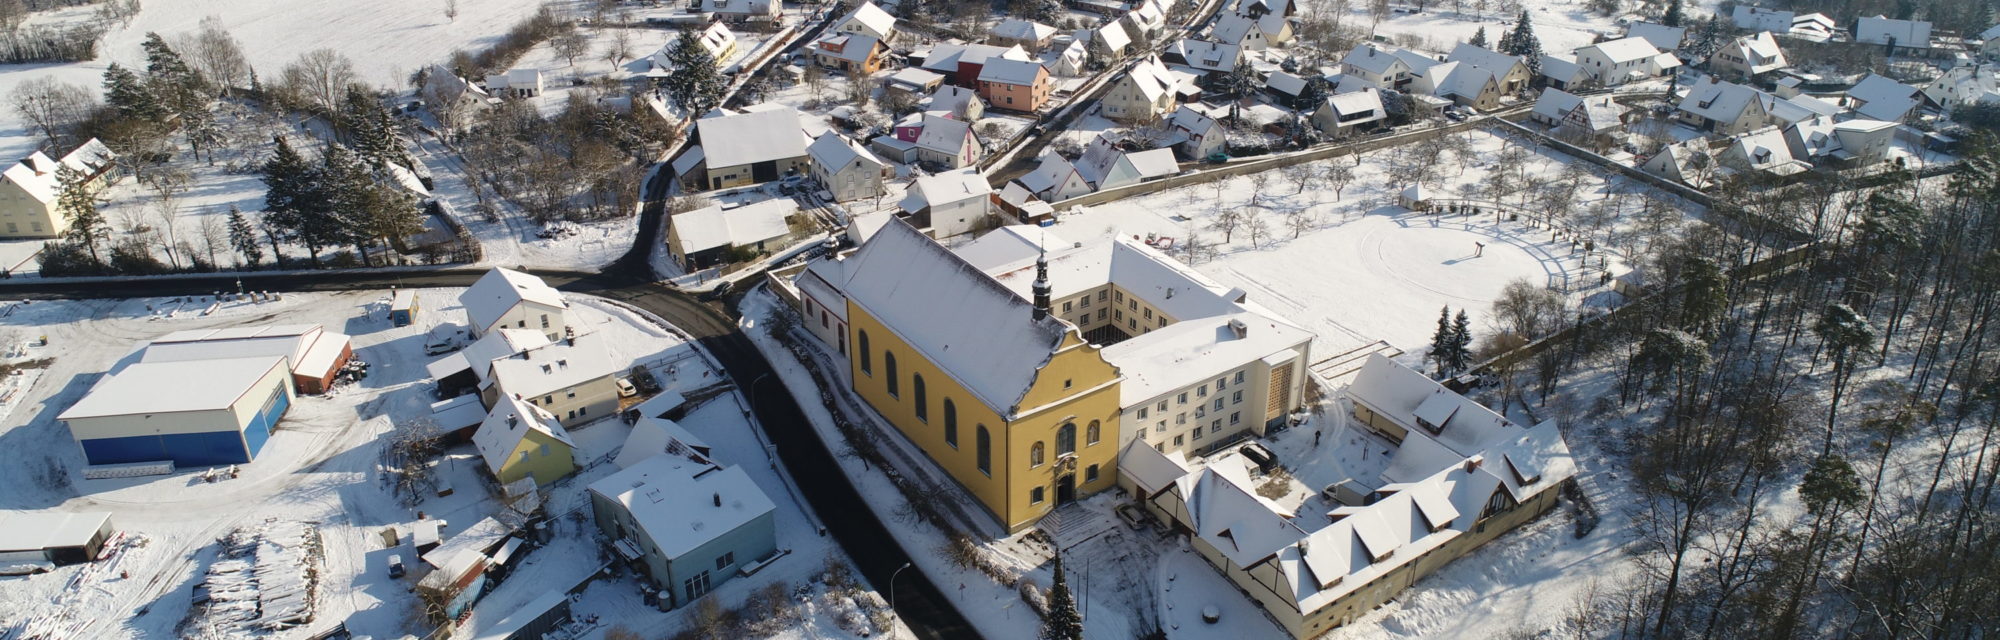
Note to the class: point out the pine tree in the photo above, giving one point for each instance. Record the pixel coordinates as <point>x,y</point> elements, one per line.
<point>1461,343</point>
<point>130,97</point>
<point>296,204</point>
<point>78,208</point>
<point>1673,17</point>
<point>372,131</point>
<point>1479,37</point>
<point>1062,623</point>
<point>243,238</point>
<point>346,183</point>
<point>1441,341</point>
<point>1523,43</point>
<point>693,85</point>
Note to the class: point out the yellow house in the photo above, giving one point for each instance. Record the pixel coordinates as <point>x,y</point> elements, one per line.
<point>519,440</point>
<point>1008,399</point>
<point>30,188</point>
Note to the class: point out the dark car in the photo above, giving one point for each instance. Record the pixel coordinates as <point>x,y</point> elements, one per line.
<point>395,565</point>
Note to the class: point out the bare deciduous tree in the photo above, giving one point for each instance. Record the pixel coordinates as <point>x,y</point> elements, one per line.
<point>53,106</point>
<point>215,55</point>
<point>320,77</point>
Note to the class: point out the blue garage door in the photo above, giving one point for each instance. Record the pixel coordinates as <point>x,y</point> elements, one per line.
<point>259,429</point>
<point>194,449</point>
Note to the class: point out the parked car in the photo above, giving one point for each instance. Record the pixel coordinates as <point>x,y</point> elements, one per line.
<point>395,565</point>
<point>625,388</point>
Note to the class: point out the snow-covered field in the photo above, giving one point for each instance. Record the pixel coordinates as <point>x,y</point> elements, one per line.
<point>1561,25</point>
<point>321,466</point>
<point>386,40</point>
<point>1367,270</point>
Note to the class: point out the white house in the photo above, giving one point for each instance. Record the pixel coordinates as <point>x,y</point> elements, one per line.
<point>845,169</point>
<point>1027,34</point>
<point>1253,34</point>
<point>950,203</point>
<point>871,21</point>
<point>1111,40</point>
<point>1105,166</point>
<point>744,10</point>
<point>716,39</point>
<point>1344,111</point>
<point>573,379</point>
<point>1383,68</point>
<point>1054,180</point>
<point>1762,152</point>
<point>703,237</point>
<point>1906,34</point>
<point>1204,56</point>
<point>1563,73</point>
<point>1686,162</point>
<point>505,298</point>
<point>1615,62</point>
<point>688,526</point>
<point>1748,55</point>
<point>30,188</point>
<point>1851,143</point>
<point>1729,109</point>
<point>1198,135</point>
<point>947,142</point>
<point>1661,36</point>
<point>1143,93</point>
<point>1510,73</point>
<point>516,83</point>
<point>1963,85</point>
<point>1877,97</point>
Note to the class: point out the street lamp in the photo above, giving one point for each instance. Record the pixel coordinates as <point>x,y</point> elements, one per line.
<point>892,588</point>
<point>753,387</point>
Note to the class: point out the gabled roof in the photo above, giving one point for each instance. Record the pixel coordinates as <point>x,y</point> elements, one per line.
<point>479,356</point>
<point>1207,56</point>
<point>1723,101</point>
<point>1494,62</point>
<point>851,47</point>
<point>1228,514</point>
<point>1053,172</point>
<point>36,174</point>
<point>1150,469</point>
<point>946,188</point>
<point>499,291</point>
<point>674,500</point>
<point>1285,83</point>
<point>1380,60</point>
<point>655,436</point>
<point>1564,69</point>
<point>1008,245</point>
<point>945,57</point>
<point>1555,103</point>
<point>1014,72</point>
<point>170,387</point>
<point>1026,30</point>
<point>1113,35</point>
<point>949,99</point>
<point>1766,151</point>
<point>510,421</point>
<point>1881,30</point>
<point>557,366</point>
<point>713,226</point>
<point>943,134</point>
<point>1661,36</point>
<point>1354,102</point>
<point>915,77</point>
<point>1236,28</point>
<point>1194,121</point>
<point>1884,99</point>
<point>873,18</point>
<point>1760,51</point>
<point>834,153</point>
<point>1151,77</point>
<point>1627,49</point>
<point>756,136</point>
<point>975,330</point>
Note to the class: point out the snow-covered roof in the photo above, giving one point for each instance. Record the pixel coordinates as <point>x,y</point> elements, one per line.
<point>558,365</point>
<point>945,57</point>
<point>834,152</point>
<point>1661,36</point>
<point>1184,352</point>
<point>1150,469</point>
<point>499,290</point>
<point>1053,172</point>
<point>680,504</point>
<point>1150,77</point>
<point>1904,33</point>
<point>714,226</point>
<point>1009,244</point>
<point>872,18</point>
<point>1815,106</point>
<point>1207,56</point>
<point>1014,72</point>
<point>851,47</point>
<point>1627,49</point>
<point>170,387</point>
<point>654,436</point>
<point>1024,30</point>
<point>1379,60</point>
<point>1194,121</point>
<point>1555,103</point>
<point>972,327</point>
<point>1113,35</point>
<point>1966,84</point>
<point>1353,102</point>
<point>915,78</point>
<point>37,530</point>
<point>1756,19</point>
<point>1225,511</point>
<point>1723,101</point>
<point>943,134</point>
<point>510,420</point>
<point>946,188</point>
<point>458,413</point>
<point>1237,28</point>
<point>1564,69</point>
<point>756,136</point>
<point>742,7</point>
<point>1286,83</point>
<point>1882,98</point>
<point>479,355</point>
<point>1765,150</point>
<point>35,174</point>
<point>1759,51</point>
<point>1153,163</point>
<point>1494,62</point>
<point>310,349</point>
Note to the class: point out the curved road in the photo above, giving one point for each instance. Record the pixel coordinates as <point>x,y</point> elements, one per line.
<point>919,602</point>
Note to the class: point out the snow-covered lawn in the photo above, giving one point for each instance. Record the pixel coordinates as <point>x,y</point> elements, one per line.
<point>320,465</point>
<point>1367,269</point>
<point>1561,25</point>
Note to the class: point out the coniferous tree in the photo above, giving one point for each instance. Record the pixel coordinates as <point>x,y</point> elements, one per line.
<point>176,84</point>
<point>1673,17</point>
<point>1479,37</point>
<point>130,97</point>
<point>243,238</point>
<point>78,208</point>
<point>1441,342</point>
<point>372,131</point>
<point>346,183</point>
<point>296,202</point>
<point>1461,343</point>
<point>1523,43</point>
<point>1062,623</point>
<point>694,85</point>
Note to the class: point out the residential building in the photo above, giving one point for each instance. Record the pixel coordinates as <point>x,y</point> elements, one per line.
<point>1143,93</point>
<point>573,380</point>
<point>1815,27</point>
<point>1382,68</point>
<point>1592,122</point>
<point>1021,375</point>
<point>516,83</point>
<point>1343,112</point>
<point>1661,36</point>
<point>741,11</point>
<point>29,189</point>
<point>1877,97</point>
<point>952,101</point>
<point>1615,62</point>
<point>1748,56</point>
<point>1510,73</point>
<point>1460,83</point>
<point>1026,34</point>
<point>1903,34</point>
<point>313,355</point>
<point>914,81</point>
<point>847,170</point>
<point>1105,166</point>
<point>950,204</point>
<point>1197,135</point>
<point>1687,162</point>
<point>1964,85</point>
<point>1460,475</point>
<point>464,371</point>
<point>1147,19</point>
<point>1015,85</point>
<point>1850,143</point>
<point>948,143</point>
<point>1209,58</point>
<point>750,148</point>
<point>853,53</point>
<point>1289,91</point>
<point>505,298</point>
<point>1054,180</point>
<point>962,63</point>
<point>716,39</point>
<point>688,526</point>
<point>1111,40</point>
<point>1761,153</point>
<point>1564,73</point>
<point>1252,34</point>
<point>1989,40</point>
<point>869,20</point>
<point>652,436</point>
<point>193,413</point>
<point>712,235</point>
<point>1729,109</point>
<point>1072,61</point>
<point>520,440</point>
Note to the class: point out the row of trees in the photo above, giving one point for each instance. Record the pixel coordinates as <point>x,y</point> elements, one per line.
<point>339,200</point>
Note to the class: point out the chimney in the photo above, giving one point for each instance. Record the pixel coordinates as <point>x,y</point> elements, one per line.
<point>718,499</point>
<point>1238,327</point>
<point>1472,463</point>
<point>1041,286</point>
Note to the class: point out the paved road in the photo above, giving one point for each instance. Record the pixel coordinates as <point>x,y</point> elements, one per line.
<point>831,494</point>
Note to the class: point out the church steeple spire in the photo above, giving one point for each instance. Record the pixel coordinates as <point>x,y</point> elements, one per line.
<point>1041,287</point>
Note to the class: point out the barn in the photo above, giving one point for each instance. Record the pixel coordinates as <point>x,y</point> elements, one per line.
<point>313,354</point>
<point>195,413</point>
